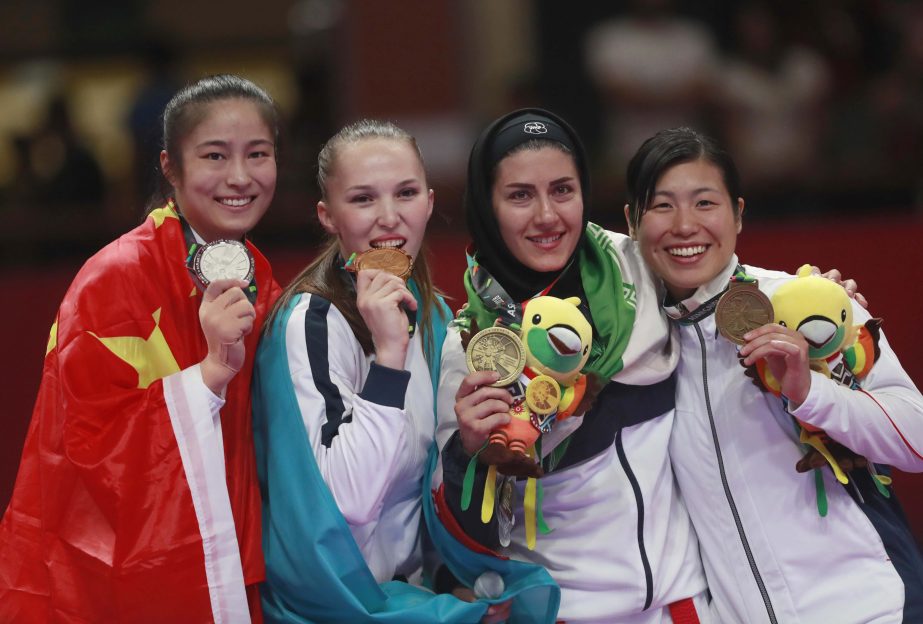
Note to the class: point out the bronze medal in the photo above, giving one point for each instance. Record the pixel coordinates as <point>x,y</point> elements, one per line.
<point>497,349</point>
<point>543,394</point>
<point>222,259</point>
<point>389,259</point>
<point>741,309</point>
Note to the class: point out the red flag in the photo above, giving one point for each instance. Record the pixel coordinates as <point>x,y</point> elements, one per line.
<point>123,509</point>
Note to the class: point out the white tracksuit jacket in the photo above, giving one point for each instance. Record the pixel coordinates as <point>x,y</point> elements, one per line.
<point>371,428</point>
<point>621,547</point>
<point>769,556</point>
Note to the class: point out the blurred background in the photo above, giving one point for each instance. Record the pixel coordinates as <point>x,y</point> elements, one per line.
<point>820,103</point>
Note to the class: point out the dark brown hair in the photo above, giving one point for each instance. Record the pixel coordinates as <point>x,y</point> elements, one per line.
<point>189,107</point>
<point>666,149</point>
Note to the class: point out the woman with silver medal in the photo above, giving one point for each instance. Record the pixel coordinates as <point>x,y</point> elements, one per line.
<point>143,502</point>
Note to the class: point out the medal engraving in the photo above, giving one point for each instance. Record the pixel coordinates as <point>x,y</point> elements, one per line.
<point>497,349</point>
<point>389,259</point>
<point>543,394</point>
<point>741,309</point>
<point>222,259</point>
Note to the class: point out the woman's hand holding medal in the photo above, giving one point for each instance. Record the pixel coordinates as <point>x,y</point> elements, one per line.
<point>379,297</point>
<point>786,353</point>
<point>383,299</point>
<point>744,315</point>
<point>480,408</point>
<point>226,317</point>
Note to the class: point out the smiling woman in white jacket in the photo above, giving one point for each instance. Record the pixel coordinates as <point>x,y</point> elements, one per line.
<point>769,555</point>
<point>622,548</point>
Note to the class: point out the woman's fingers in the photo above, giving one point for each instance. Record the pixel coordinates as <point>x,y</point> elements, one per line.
<point>479,413</point>
<point>473,381</point>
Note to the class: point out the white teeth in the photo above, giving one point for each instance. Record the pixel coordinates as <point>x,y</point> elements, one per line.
<point>687,251</point>
<point>237,203</point>
<point>547,239</point>
<point>397,242</point>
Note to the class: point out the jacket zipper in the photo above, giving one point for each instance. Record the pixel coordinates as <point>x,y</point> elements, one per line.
<point>727,490</point>
<point>636,488</point>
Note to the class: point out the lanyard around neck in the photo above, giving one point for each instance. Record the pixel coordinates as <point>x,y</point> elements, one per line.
<point>494,296</point>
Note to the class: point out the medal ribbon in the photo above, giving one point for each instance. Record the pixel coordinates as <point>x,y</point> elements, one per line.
<point>192,246</point>
<point>494,296</point>
<point>708,308</point>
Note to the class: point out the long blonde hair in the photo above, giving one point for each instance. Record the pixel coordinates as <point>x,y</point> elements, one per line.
<point>325,275</point>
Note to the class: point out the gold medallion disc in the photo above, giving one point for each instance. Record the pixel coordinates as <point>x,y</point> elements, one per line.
<point>543,394</point>
<point>389,259</point>
<point>497,349</point>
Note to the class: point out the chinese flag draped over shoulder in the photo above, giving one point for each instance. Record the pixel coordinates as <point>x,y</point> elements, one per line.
<point>133,503</point>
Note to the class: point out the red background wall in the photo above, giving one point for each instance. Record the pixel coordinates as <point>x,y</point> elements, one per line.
<point>882,255</point>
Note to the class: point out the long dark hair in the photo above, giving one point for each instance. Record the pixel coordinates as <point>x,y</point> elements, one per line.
<point>325,275</point>
<point>666,149</point>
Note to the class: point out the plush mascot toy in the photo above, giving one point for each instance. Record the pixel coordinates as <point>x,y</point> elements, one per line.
<point>821,311</point>
<point>556,338</point>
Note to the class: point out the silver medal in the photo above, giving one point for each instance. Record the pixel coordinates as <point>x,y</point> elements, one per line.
<point>222,259</point>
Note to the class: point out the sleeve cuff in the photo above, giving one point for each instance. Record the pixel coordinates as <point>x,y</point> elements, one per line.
<point>386,386</point>
<point>808,406</point>
<point>215,402</point>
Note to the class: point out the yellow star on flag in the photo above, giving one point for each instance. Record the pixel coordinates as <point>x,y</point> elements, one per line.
<point>52,337</point>
<point>150,357</point>
<point>162,214</point>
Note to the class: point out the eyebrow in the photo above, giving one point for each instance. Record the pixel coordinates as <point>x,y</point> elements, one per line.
<point>530,185</point>
<point>369,187</point>
<point>221,143</point>
<point>702,189</point>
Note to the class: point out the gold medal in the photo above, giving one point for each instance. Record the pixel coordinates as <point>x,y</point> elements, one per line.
<point>389,259</point>
<point>741,309</point>
<point>497,349</point>
<point>543,394</point>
